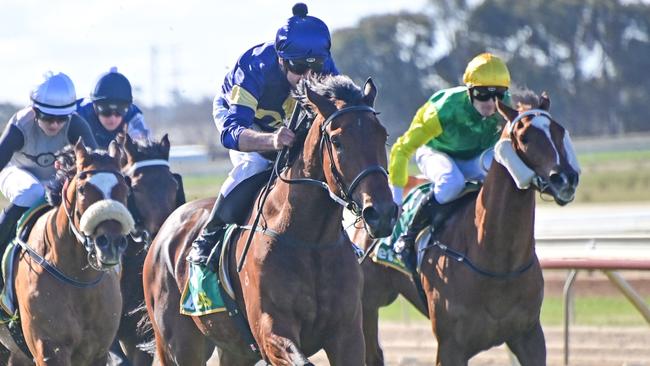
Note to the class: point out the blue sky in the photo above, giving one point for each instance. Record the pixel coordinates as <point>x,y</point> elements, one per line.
<point>194,42</point>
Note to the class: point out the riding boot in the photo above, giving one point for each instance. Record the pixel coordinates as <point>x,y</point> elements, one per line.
<point>209,237</point>
<point>422,218</point>
<point>8,219</point>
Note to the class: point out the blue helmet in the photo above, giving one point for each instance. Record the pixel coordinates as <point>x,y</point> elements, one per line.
<point>112,87</point>
<point>303,36</point>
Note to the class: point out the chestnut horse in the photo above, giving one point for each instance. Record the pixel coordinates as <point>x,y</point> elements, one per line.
<point>480,274</point>
<point>67,278</point>
<point>300,286</point>
<point>152,197</point>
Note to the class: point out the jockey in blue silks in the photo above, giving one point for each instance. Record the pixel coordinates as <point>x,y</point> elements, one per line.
<point>254,100</point>
<point>110,107</point>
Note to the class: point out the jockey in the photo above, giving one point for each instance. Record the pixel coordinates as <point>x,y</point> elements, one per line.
<point>110,107</point>
<point>28,145</point>
<point>453,136</point>
<point>253,102</point>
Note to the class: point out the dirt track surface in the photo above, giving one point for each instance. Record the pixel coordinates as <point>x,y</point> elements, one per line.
<point>414,345</point>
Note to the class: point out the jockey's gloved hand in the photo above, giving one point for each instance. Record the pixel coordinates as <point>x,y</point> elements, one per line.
<point>283,137</point>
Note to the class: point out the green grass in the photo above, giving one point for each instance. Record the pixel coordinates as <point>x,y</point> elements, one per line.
<point>595,311</point>
<point>201,186</point>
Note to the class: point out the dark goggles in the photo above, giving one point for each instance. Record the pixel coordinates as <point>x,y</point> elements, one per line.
<point>51,118</point>
<point>300,67</point>
<point>485,93</point>
<point>111,109</point>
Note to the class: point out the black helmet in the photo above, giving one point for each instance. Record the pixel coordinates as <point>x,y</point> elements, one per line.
<point>112,87</point>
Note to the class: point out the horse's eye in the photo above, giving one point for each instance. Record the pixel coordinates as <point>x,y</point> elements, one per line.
<point>81,189</point>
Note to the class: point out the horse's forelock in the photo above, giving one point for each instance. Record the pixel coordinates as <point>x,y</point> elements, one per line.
<point>148,149</point>
<point>338,87</point>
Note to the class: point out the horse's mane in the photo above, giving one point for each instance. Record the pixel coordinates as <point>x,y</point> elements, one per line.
<point>67,169</point>
<point>339,87</point>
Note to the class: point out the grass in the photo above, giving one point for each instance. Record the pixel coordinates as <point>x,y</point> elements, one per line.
<point>595,311</point>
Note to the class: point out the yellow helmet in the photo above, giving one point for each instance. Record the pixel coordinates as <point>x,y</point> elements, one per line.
<point>486,69</point>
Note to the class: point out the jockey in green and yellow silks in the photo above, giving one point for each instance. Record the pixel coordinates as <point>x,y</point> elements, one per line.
<point>453,134</point>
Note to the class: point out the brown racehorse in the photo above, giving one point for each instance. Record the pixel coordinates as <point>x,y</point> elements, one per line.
<point>480,274</point>
<point>67,279</point>
<point>152,197</point>
<point>300,286</point>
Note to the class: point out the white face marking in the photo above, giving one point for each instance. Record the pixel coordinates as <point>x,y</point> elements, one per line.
<point>544,123</point>
<point>104,182</point>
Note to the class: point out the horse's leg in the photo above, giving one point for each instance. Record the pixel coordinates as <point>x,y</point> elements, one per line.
<point>227,358</point>
<point>282,351</point>
<point>530,348</point>
<point>347,348</point>
<point>450,353</point>
<point>374,353</point>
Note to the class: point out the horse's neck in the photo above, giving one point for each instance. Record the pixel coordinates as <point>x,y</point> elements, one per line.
<point>505,218</point>
<point>305,211</point>
<point>63,250</point>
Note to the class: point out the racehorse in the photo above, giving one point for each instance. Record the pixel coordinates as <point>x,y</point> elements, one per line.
<point>67,277</point>
<point>480,274</point>
<point>300,286</point>
<point>152,197</point>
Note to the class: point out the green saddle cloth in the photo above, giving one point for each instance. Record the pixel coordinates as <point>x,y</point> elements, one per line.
<point>7,296</point>
<point>384,252</point>
<point>202,295</point>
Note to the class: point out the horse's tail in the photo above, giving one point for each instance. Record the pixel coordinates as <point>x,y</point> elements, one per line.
<point>144,330</point>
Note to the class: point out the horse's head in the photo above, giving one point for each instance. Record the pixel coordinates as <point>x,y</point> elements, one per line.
<point>94,198</point>
<point>545,147</point>
<point>350,143</point>
<point>152,185</point>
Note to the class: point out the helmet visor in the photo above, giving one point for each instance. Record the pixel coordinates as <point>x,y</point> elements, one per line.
<point>51,118</point>
<point>485,93</point>
<point>109,109</point>
<point>301,66</point>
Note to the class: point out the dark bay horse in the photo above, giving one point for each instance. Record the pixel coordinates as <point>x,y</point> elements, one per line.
<point>300,286</point>
<point>152,197</point>
<point>67,278</point>
<point>480,274</point>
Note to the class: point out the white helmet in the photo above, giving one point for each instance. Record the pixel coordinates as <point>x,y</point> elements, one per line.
<point>55,95</point>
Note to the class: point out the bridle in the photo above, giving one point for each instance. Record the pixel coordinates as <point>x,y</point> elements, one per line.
<point>345,198</point>
<point>84,239</point>
<point>141,235</point>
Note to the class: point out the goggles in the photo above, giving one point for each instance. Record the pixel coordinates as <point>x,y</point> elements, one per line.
<point>300,67</point>
<point>111,109</point>
<point>51,118</point>
<point>485,93</point>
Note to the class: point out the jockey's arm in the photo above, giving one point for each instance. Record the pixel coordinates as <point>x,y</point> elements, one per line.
<point>251,140</point>
<point>11,141</point>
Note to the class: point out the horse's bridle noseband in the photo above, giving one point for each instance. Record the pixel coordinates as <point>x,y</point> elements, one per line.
<point>84,239</point>
<point>345,199</point>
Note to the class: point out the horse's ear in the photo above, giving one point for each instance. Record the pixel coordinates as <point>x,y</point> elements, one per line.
<point>80,151</point>
<point>508,113</point>
<point>545,103</point>
<point>115,151</point>
<point>369,93</point>
<point>120,138</point>
<point>164,143</point>
<point>325,106</point>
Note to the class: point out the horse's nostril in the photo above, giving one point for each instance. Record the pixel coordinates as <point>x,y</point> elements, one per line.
<point>121,242</point>
<point>557,179</point>
<point>370,214</point>
<point>102,241</point>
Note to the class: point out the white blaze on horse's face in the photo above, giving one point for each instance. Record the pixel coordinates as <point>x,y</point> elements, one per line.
<point>543,122</point>
<point>105,182</point>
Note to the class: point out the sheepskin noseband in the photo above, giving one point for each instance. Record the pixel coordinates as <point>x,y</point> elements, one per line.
<point>105,210</point>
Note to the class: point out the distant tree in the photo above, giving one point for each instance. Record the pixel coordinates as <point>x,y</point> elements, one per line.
<point>591,56</point>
